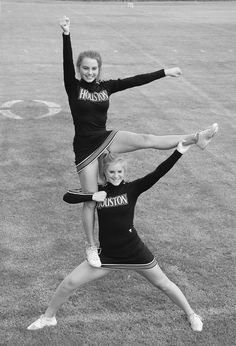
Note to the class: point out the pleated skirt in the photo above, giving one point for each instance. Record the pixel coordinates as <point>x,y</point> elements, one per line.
<point>88,148</point>
<point>139,258</point>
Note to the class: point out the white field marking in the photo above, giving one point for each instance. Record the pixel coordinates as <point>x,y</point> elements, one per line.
<point>189,87</point>
<point>7,112</point>
<point>53,108</point>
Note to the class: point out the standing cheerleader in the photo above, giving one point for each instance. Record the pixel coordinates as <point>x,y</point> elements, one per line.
<point>121,247</point>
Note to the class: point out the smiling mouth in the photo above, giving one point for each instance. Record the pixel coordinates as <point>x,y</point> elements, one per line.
<point>89,79</point>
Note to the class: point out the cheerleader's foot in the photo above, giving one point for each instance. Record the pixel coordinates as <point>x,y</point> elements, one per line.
<point>204,137</point>
<point>42,322</point>
<point>93,257</point>
<point>195,322</point>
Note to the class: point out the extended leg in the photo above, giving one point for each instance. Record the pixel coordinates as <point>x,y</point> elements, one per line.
<point>81,275</point>
<point>129,141</point>
<point>156,277</point>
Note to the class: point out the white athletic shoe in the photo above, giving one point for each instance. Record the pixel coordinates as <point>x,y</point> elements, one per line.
<point>205,136</point>
<point>92,256</point>
<point>42,322</point>
<point>195,322</point>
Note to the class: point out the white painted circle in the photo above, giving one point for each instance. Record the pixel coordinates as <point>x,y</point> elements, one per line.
<point>5,109</point>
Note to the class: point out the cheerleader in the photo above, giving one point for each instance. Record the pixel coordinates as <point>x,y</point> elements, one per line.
<point>89,102</point>
<point>121,247</point>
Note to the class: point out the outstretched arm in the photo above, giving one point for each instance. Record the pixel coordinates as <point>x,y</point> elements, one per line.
<point>126,83</point>
<point>68,65</point>
<point>65,25</point>
<point>77,196</point>
<point>150,179</point>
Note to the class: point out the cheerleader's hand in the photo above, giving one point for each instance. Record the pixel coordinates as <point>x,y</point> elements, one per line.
<point>65,25</point>
<point>173,72</point>
<point>99,196</point>
<point>183,148</point>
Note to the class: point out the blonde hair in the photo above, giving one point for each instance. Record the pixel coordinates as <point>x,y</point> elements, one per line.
<point>107,159</point>
<point>92,54</point>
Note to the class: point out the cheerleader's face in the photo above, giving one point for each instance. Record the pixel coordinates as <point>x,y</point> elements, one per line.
<point>89,69</point>
<point>115,173</point>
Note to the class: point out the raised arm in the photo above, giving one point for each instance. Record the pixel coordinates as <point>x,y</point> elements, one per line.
<point>141,79</point>
<point>68,65</point>
<point>77,196</point>
<point>150,179</point>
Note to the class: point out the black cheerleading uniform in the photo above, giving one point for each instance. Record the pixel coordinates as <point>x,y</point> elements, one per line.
<point>121,247</point>
<point>89,103</point>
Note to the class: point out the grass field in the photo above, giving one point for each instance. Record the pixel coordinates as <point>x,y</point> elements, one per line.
<point>188,220</point>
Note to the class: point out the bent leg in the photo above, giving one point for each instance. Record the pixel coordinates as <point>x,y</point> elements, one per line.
<point>88,180</point>
<point>157,278</point>
<point>125,141</point>
<point>81,275</point>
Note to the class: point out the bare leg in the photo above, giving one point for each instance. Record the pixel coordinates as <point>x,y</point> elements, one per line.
<point>128,141</point>
<point>88,180</point>
<point>156,277</point>
<point>81,275</point>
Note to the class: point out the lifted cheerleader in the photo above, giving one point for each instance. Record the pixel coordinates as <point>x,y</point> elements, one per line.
<point>89,102</point>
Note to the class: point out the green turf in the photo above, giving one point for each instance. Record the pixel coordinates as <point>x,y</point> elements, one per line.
<point>188,220</point>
